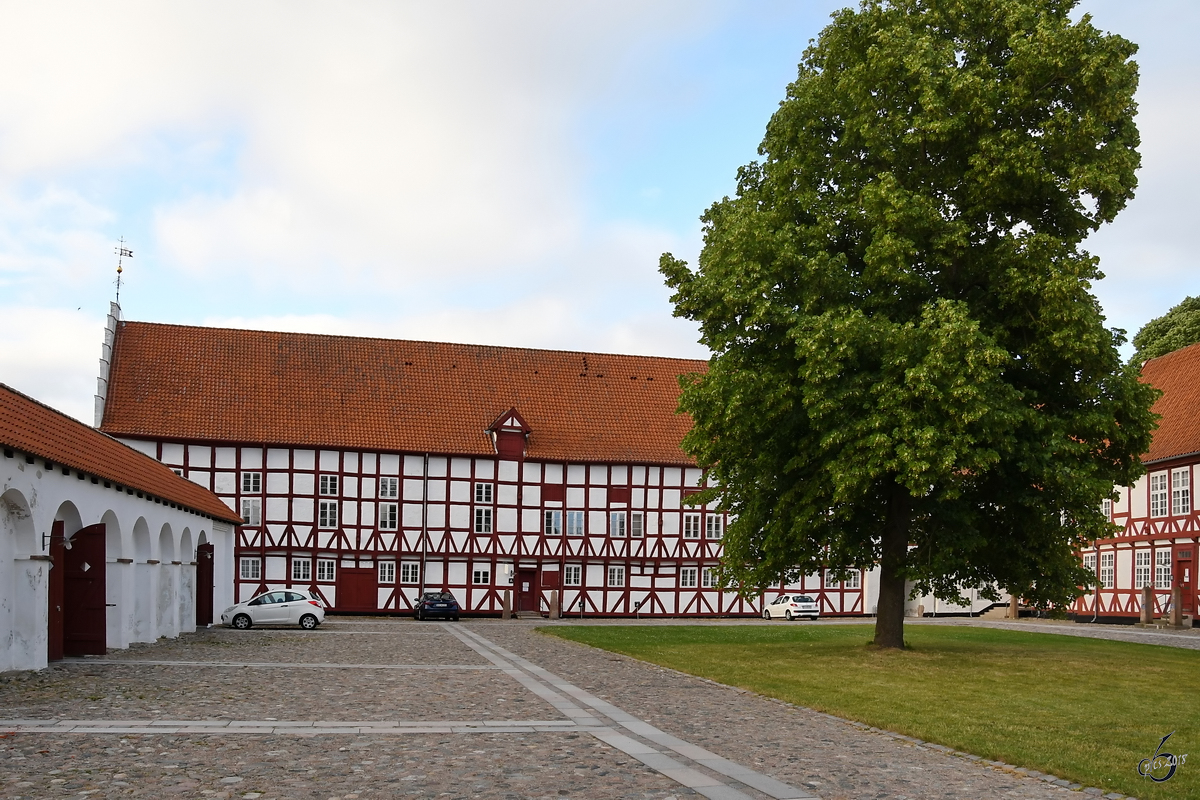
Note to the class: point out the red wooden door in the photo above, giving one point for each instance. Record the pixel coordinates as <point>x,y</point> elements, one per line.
<point>204,585</point>
<point>54,640</point>
<point>1185,577</point>
<point>84,611</point>
<point>357,589</point>
<point>527,590</point>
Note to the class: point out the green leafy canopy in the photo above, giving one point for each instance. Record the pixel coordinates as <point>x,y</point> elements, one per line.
<point>900,310</point>
<point>1178,328</point>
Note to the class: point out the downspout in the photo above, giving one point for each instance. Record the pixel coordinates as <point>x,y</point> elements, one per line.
<point>424,521</point>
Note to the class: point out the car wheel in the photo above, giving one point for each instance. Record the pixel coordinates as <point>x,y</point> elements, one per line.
<point>308,622</point>
<point>766,613</point>
<point>788,616</point>
<point>456,617</point>
<point>242,622</point>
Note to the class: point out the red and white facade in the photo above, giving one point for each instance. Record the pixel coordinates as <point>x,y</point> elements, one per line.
<point>480,470</point>
<point>1159,516</point>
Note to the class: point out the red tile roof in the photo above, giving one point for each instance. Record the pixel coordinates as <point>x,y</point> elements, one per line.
<point>1178,375</point>
<point>38,430</point>
<point>214,384</point>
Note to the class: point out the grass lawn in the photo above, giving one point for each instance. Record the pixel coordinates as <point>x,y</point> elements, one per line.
<point>1083,709</point>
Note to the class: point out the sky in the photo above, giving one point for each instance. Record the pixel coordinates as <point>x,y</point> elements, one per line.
<point>503,172</point>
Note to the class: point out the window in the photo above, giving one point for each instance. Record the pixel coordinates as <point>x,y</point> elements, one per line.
<point>387,571</point>
<point>831,581</point>
<point>616,576</point>
<point>708,578</point>
<point>481,577</point>
<point>1158,494</point>
<point>637,524</point>
<point>574,523</point>
<point>177,471</point>
<point>1162,569</point>
<point>250,569</point>
<point>327,514</point>
<point>691,526</point>
<point>1089,562</point>
<point>301,569</point>
<point>1141,569</point>
<point>553,523</point>
<point>687,577</point>
<point>389,488</point>
<point>1106,570</point>
<point>483,520</point>
<point>389,515</point>
<point>410,572</point>
<point>1181,491</point>
<point>328,485</point>
<point>1106,508</point>
<point>616,524</point>
<point>251,483</point>
<point>483,493</point>
<point>853,581</point>
<point>712,527</point>
<point>573,575</point>
<point>325,569</point>
<point>252,510</point>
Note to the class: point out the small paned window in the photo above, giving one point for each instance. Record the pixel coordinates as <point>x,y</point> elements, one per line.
<point>691,526</point>
<point>708,578</point>
<point>553,523</point>
<point>177,471</point>
<point>713,527</point>
<point>1089,562</point>
<point>327,514</point>
<point>410,572</point>
<point>250,569</point>
<point>389,488</point>
<point>302,569</point>
<point>389,516</point>
<point>1106,508</point>
<point>1158,494</point>
<point>1106,570</point>
<point>637,524</point>
<point>325,567</point>
<point>616,524</point>
<point>687,577</point>
<point>1141,569</point>
<point>252,510</point>
<point>483,520</point>
<point>387,571</point>
<point>853,581</point>
<point>616,576</point>
<point>328,485</point>
<point>251,482</point>
<point>1181,492</point>
<point>573,575</point>
<point>831,581</point>
<point>481,577</point>
<point>574,523</point>
<point>1162,569</point>
<point>483,493</point>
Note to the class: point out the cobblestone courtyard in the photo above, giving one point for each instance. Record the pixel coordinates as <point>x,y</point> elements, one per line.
<point>365,708</point>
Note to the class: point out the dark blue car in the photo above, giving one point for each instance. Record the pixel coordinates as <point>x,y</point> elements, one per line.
<point>437,604</point>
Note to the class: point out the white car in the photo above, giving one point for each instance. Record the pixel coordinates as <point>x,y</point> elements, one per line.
<point>792,606</point>
<point>280,607</point>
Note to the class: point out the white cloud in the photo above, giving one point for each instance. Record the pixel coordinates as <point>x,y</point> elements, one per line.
<point>53,355</point>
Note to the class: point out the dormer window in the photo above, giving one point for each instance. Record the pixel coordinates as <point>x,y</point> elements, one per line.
<point>509,435</point>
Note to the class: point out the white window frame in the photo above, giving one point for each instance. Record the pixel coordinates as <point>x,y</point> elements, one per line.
<point>827,580</point>
<point>637,524</point>
<point>714,527</point>
<point>572,575</point>
<point>616,524</point>
<point>616,576</point>
<point>252,511</point>
<point>1159,493</point>
<point>691,525</point>
<point>853,580</point>
<point>1143,568</point>
<point>1089,562</point>
<point>389,516</point>
<point>483,520</point>
<point>302,569</point>
<point>1181,492</point>
<point>327,485</point>
<point>688,577</point>
<point>575,523</point>
<point>1163,573</point>
<point>483,493</point>
<point>552,523</point>
<point>481,577</point>
<point>389,488</point>
<point>250,568</point>
<point>251,483</point>
<point>1106,508</point>
<point>387,572</point>
<point>327,514</point>
<point>1107,571</point>
<point>708,578</point>
<point>410,572</point>
<point>326,570</point>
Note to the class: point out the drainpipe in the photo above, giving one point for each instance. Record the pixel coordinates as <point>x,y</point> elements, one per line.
<point>424,521</point>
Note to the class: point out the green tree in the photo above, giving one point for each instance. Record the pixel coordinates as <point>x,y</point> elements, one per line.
<point>1178,328</point>
<point>909,368</point>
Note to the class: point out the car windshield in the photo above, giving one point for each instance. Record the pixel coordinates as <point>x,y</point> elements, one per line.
<point>438,596</point>
<point>800,598</point>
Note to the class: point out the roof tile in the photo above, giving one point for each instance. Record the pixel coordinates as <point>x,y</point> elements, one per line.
<point>1177,374</point>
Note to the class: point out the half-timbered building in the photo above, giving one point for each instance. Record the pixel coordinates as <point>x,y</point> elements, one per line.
<point>371,469</point>
<point>1157,517</point>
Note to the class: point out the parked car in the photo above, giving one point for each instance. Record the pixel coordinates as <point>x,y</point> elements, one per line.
<point>436,604</point>
<point>280,607</point>
<point>315,596</point>
<point>792,606</point>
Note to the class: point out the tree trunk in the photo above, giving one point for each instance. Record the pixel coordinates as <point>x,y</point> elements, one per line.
<point>889,619</point>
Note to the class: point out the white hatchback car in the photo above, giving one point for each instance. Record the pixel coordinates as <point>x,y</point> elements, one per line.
<point>792,606</point>
<point>280,607</point>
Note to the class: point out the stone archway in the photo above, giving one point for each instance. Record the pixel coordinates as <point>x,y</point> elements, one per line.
<point>22,585</point>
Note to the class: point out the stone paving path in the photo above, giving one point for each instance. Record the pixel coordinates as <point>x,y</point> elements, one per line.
<point>482,709</point>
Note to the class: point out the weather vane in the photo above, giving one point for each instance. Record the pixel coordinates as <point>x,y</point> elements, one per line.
<point>122,252</point>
